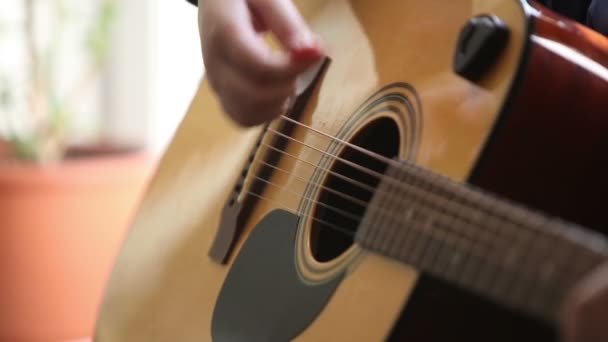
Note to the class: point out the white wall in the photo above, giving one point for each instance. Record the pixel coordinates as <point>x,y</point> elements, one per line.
<point>155,70</point>
<point>180,67</point>
<point>69,78</point>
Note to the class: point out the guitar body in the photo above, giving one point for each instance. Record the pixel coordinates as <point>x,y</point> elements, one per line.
<point>527,130</point>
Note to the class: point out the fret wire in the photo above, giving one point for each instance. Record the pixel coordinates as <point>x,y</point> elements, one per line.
<point>501,263</point>
<point>416,235</point>
<point>538,308</point>
<point>450,240</point>
<point>423,218</point>
<point>468,260</point>
<point>432,227</point>
<point>399,234</point>
<point>509,260</point>
<point>473,266</point>
<point>425,236</point>
<point>381,222</point>
<point>498,248</point>
<point>484,218</point>
<point>430,253</point>
<point>440,248</point>
<point>439,202</point>
<point>410,235</point>
<point>476,199</point>
<point>450,261</point>
<point>446,238</point>
<point>399,217</point>
<point>561,280</point>
<point>451,231</point>
<point>413,245</point>
<point>375,220</point>
<point>533,295</point>
<point>446,231</point>
<point>481,275</point>
<point>402,251</point>
<point>425,230</point>
<point>392,207</point>
<point>525,274</point>
<point>417,238</point>
<point>564,254</point>
<point>534,251</point>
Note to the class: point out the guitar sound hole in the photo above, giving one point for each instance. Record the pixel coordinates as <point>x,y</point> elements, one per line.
<point>349,188</point>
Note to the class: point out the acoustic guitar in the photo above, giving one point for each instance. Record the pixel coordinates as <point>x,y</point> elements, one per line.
<point>440,175</point>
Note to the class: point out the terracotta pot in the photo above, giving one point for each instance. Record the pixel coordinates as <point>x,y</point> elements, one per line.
<point>60,229</point>
<point>4,149</point>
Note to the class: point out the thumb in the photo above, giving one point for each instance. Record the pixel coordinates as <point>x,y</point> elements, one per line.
<point>282,18</point>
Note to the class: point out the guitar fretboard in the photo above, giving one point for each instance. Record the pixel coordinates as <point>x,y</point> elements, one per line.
<point>512,255</point>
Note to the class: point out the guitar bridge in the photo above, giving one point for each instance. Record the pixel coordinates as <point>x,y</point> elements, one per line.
<point>227,232</point>
<point>236,211</point>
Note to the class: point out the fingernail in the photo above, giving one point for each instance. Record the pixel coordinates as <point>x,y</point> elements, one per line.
<point>308,47</point>
<point>305,40</point>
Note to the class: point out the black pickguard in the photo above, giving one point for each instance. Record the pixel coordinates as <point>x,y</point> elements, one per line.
<point>263,297</point>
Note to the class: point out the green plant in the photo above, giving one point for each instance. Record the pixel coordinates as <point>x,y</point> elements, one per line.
<point>38,132</point>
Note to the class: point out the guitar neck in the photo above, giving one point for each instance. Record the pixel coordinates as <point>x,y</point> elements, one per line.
<point>508,253</point>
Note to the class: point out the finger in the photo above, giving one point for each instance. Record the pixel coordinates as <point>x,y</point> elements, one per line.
<point>258,23</point>
<point>249,103</point>
<point>227,32</point>
<point>284,20</point>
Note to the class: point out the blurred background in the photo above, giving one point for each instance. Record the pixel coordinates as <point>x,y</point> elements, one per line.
<point>91,93</point>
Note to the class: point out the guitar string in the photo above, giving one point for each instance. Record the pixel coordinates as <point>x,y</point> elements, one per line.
<point>351,233</point>
<point>446,219</point>
<point>337,228</point>
<point>432,202</point>
<point>413,172</point>
<point>343,213</point>
<point>467,252</point>
<point>350,198</point>
<point>349,214</point>
<point>412,168</point>
<point>478,235</point>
